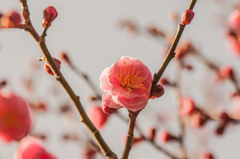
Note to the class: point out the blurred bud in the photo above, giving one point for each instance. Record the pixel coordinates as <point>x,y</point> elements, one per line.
<point>151,133</point>
<point>3,83</point>
<point>92,98</point>
<point>64,57</point>
<point>49,14</point>
<point>197,120</point>
<point>164,136</point>
<point>188,67</point>
<point>65,108</point>
<point>224,117</point>
<point>234,19</point>
<point>155,31</point>
<point>220,129</point>
<point>40,106</point>
<point>173,15</point>
<point>187,106</point>
<point>180,53</point>
<point>206,155</point>
<point>89,153</point>
<point>40,136</point>
<point>48,69</point>
<point>226,72</point>
<point>10,19</point>
<point>187,17</point>
<point>157,92</point>
<point>164,81</point>
<point>97,116</point>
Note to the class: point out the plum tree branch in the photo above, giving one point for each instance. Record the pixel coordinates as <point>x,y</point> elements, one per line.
<point>59,77</point>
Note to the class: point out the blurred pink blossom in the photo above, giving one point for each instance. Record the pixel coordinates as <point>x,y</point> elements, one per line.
<point>32,148</point>
<point>15,117</point>
<point>234,19</point>
<point>129,82</point>
<point>187,106</point>
<point>97,116</point>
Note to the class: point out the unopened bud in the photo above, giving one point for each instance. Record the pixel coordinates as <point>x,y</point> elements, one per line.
<point>187,106</point>
<point>49,14</point>
<point>187,17</point>
<point>64,57</point>
<point>206,155</point>
<point>48,69</point>
<point>164,136</point>
<point>224,117</point>
<point>151,133</point>
<point>198,121</point>
<point>157,92</point>
<point>11,19</point>
<point>226,72</point>
<point>220,129</point>
<point>164,81</point>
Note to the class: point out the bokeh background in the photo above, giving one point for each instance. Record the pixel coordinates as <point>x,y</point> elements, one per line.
<point>88,31</point>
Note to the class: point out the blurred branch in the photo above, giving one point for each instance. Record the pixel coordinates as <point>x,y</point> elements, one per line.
<point>59,77</point>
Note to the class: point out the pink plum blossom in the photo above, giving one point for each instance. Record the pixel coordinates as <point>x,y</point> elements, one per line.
<point>15,117</point>
<point>234,19</point>
<point>108,105</point>
<point>129,82</point>
<point>32,148</point>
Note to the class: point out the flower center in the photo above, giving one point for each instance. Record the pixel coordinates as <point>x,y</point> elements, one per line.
<point>129,79</point>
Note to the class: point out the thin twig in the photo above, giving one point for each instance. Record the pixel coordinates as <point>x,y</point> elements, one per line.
<point>59,77</point>
<point>129,138</point>
<point>171,53</point>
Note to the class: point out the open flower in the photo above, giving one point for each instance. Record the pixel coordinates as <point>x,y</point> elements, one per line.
<point>15,117</point>
<point>129,82</point>
<point>32,148</point>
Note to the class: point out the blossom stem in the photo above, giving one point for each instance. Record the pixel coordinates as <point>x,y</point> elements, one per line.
<point>59,77</point>
<point>131,126</point>
<point>171,53</point>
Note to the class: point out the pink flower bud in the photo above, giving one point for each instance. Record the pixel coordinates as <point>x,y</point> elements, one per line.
<point>49,14</point>
<point>48,69</point>
<point>40,106</point>
<point>226,72</point>
<point>164,81</point>
<point>64,57</point>
<point>234,19</point>
<point>197,120</point>
<point>187,106</point>
<point>206,155</point>
<point>151,133</point>
<point>10,19</point>
<point>180,53</point>
<point>15,117</point>
<point>107,110</point>
<point>31,147</point>
<point>157,92</point>
<point>89,153</point>
<point>97,116</point>
<point>187,17</point>
<point>164,136</point>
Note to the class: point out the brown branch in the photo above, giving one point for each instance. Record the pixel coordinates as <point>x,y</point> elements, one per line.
<point>129,138</point>
<point>171,53</point>
<point>59,77</point>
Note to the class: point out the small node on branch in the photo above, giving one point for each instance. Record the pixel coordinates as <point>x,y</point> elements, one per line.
<point>187,17</point>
